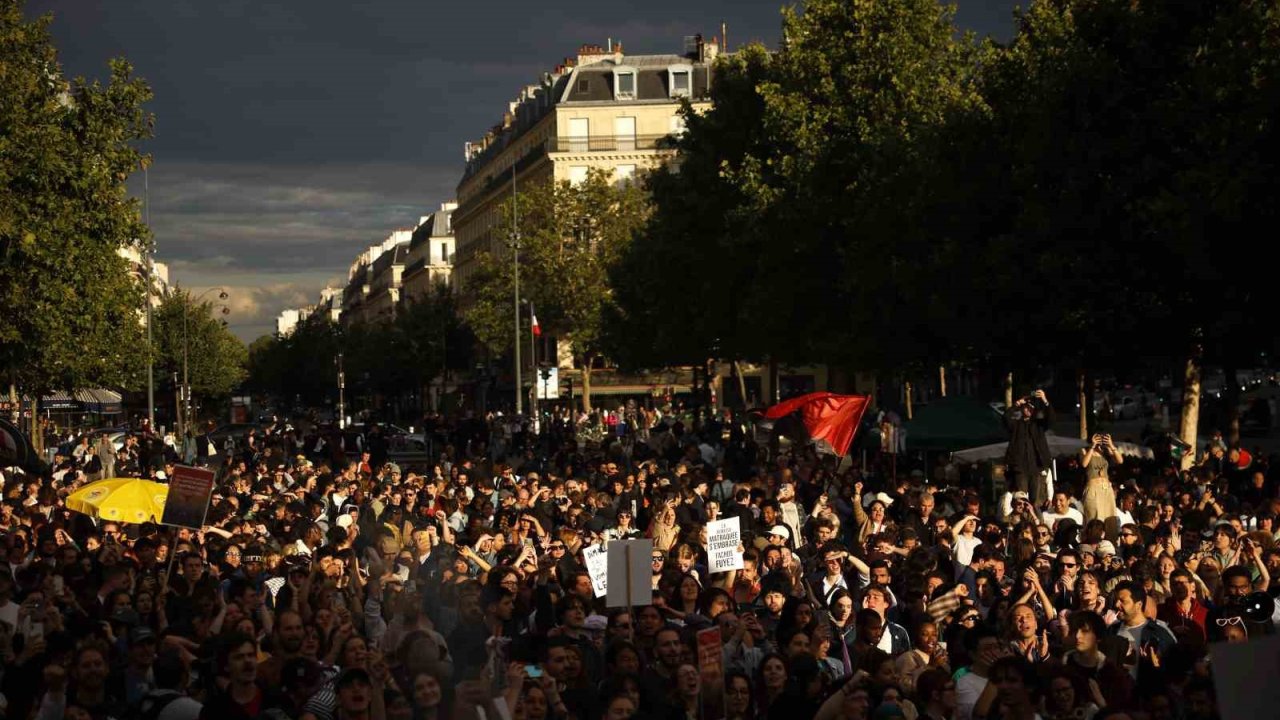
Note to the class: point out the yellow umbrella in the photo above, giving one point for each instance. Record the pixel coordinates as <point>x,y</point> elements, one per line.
<point>128,500</point>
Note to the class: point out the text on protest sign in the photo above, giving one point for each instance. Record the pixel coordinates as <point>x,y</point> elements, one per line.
<point>723,540</point>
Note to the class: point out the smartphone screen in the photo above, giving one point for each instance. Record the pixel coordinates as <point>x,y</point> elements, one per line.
<point>533,671</point>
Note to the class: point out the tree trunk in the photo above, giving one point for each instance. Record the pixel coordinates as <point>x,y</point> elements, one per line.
<point>742,385</point>
<point>942,381</point>
<point>1191,405</point>
<point>586,383</point>
<point>1231,398</point>
<point>907,388</point>
<point>37,437</point>
<point>1008,390</point>
<point>1082,397</point>
<point>716,386</point>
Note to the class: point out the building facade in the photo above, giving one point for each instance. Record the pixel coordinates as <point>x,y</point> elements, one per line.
<point>601,110</point>
<point>429,261</point>
<point>372,286</point>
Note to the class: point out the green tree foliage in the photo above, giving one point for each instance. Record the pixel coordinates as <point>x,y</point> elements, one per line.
<point>571,237</point>
<point>300,367</point>
<point>66,148</point>
<point>884,192</point>
<point>387,358</point>
<point>680,285</point>
<point>215,358</point>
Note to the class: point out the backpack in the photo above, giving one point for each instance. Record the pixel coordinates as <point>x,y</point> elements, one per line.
<point>152,705</point>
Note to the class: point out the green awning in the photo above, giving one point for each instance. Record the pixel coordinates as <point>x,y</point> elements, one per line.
<point>954,423</point>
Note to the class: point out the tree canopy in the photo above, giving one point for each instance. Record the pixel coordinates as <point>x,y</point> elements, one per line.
<point>66,149</point>
<point>885,192</point>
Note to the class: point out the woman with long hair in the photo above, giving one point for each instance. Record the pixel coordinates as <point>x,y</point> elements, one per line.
<point>1099,495</point>
<point>738,701</point>
<point>426,696</point>
<point>771,680</point>
<point>840,609</point>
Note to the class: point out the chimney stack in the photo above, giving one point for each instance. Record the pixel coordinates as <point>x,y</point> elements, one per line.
<point>710,51</point>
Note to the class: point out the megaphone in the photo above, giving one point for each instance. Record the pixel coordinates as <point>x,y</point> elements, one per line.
<point>16,450</point>
<point>1257,607</point>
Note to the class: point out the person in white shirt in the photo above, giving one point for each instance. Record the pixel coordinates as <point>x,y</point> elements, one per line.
<point>1061,509</point>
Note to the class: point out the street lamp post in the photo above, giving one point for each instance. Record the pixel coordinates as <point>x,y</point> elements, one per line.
<point>185,416</point>
<point>342,394</point>
<point>515,254</point>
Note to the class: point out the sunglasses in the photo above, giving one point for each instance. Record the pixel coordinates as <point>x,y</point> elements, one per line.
<point>1223,622</point>
<point>658,559</point>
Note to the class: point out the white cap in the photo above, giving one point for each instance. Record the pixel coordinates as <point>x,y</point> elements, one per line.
<point>344,520</point>
<point>882,497</point>
<point>781,530</point>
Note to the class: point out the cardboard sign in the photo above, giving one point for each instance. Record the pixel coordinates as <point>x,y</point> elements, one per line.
<point>711,670</point>
<point>1244,675</point>
<point>723,539</point>
<point>629,577</point>
<point>598,568</point>
<point>188,502</point>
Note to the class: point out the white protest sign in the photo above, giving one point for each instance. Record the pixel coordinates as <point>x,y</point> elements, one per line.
<point>598,568</point>
<point>723,539</point>
<point>630,579</point>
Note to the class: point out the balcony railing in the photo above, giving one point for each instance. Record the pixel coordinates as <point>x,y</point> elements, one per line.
<point>611,143</point>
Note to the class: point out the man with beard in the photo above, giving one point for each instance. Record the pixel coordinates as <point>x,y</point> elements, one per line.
<point>1183,612</point>
<point>660,677</point>
<point>286,645</point>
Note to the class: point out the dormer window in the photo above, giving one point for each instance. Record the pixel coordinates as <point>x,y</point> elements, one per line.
<point>680,80</point>
<point>624,84</point>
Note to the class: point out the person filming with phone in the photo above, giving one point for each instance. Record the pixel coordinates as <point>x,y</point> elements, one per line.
<point>1028,458</point>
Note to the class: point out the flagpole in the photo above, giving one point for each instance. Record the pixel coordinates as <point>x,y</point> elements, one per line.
<point>533,363</point>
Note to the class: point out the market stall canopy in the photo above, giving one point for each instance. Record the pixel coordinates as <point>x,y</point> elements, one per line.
<point>95,400</point>
<point>128,500</point>
<point>953,423</point>
<point>1059,446</point>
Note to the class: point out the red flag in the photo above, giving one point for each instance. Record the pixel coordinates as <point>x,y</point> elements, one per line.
<point>832,419</point>
<point>533,321</point>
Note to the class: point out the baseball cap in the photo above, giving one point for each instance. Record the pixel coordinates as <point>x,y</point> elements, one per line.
<point>141,634</point>
<point>1021,495</point>
<point>781,530</point>
<point>596,622</point>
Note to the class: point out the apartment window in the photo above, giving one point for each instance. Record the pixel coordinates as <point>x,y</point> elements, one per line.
<point>624,84</point>
<point>579,134</point>
<point>577,174</point>
<point>624,132</point>
<point>624,174</point>
<point>583,86</point>
<point>444,253</point>
<point>680,80</point>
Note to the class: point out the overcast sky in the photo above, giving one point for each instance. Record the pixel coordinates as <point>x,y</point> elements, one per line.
<point>292,135</point>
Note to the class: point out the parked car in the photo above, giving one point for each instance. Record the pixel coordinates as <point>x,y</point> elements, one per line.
<point>238,431</point>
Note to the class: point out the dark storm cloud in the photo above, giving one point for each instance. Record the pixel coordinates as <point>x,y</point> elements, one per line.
<point>291,135</point>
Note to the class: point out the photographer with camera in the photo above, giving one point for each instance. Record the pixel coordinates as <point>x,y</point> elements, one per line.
<point>1028,458</point>
<point>1099,495</point>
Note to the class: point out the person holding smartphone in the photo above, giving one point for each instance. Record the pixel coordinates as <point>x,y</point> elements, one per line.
<point>1099,495</point>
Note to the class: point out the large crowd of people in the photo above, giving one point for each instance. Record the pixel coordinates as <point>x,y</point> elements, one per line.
<point>338,583</point>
